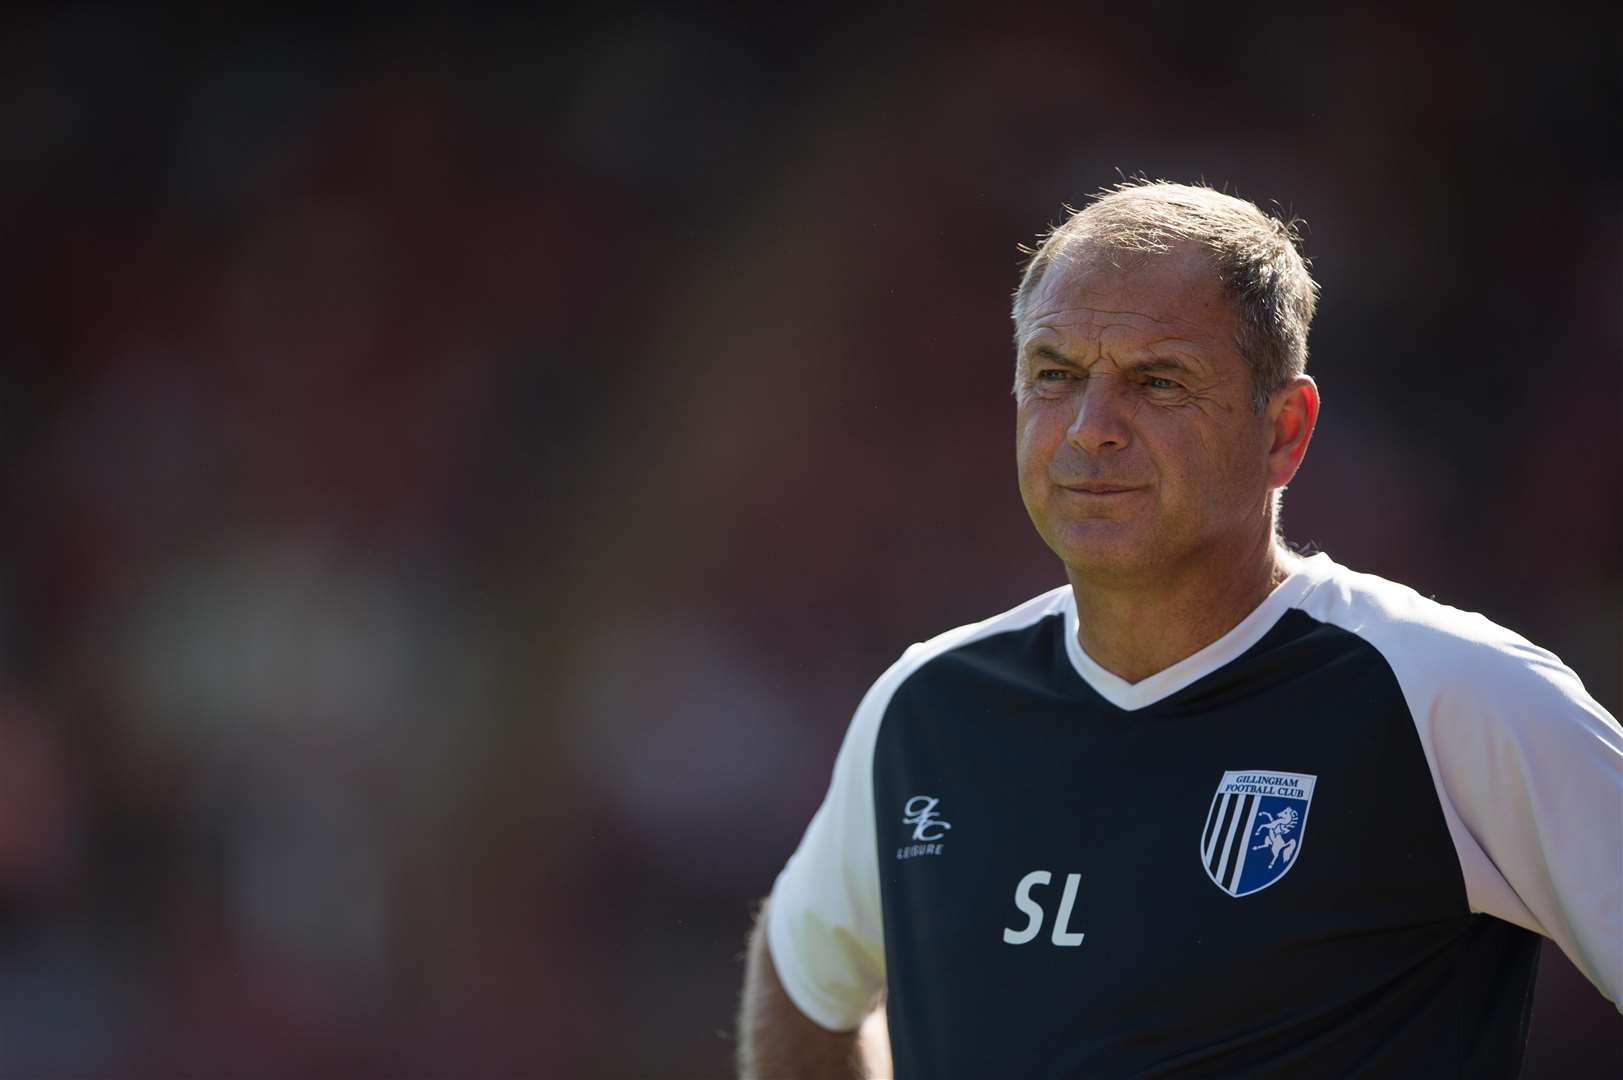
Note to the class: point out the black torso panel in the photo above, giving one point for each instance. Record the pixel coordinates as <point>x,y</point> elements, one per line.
<point>1005,786</point>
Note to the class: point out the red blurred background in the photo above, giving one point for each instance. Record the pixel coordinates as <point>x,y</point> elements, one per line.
<point>460,472</point>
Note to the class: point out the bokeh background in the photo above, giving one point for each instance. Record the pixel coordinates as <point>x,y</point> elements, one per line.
<point>460,471</point>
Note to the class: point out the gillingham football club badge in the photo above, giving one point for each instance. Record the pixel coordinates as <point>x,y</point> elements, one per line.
<point>1254,829</point>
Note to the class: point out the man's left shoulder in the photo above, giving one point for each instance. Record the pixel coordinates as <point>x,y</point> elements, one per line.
<point>1441,653</point>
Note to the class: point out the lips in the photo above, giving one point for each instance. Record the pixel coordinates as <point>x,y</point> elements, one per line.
<point>1101,488</point>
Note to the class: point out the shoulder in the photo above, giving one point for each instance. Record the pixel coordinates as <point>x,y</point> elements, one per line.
<point>825,925</point>
<point>1055,602</point>
<point>918,656</point>
<point>1445,659</point>
<point>1524,760</point>
<point>1373,607</point>
<point>871,710</point>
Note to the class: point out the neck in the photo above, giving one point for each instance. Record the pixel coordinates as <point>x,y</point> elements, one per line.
<point>1134,630</point>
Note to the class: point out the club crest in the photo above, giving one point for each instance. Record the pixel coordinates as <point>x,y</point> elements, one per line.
<point>1254,829</point>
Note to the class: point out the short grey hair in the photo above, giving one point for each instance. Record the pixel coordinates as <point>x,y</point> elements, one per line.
<point>1256,255</point>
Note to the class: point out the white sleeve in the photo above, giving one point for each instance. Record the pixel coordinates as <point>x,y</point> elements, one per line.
<point>1529,770</point>
<point>824,927</point>
<point>824,924</point>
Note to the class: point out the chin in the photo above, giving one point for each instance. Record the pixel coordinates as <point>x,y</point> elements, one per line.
<point>1106,567</point>
<point>1103,550</point>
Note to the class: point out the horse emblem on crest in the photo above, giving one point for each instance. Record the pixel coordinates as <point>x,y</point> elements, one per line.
<point>1276,829</point>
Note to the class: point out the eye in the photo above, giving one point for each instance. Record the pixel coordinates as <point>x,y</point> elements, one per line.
<point>1052,375</point>
<point>1156,382</point>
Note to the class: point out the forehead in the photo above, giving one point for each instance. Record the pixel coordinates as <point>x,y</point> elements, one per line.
<point>1108,296</point>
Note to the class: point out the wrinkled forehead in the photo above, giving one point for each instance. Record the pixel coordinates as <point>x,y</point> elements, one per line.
<point>1093,290</point>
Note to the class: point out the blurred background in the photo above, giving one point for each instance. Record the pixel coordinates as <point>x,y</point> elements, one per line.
<point>460,472</point>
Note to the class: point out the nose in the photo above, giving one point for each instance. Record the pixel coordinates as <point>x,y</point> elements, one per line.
<point>1101,422</point>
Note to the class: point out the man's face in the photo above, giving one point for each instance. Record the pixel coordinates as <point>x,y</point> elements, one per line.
<point>1141,458</point>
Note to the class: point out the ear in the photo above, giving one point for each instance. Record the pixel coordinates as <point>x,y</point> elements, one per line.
<point>1292,411</point>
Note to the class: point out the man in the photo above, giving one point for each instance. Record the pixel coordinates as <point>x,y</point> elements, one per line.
<point>1212,808</point>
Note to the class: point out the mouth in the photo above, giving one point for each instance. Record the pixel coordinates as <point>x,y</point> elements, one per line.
<point>1100,488</point>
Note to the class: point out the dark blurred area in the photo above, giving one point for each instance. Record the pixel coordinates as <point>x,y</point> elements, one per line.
<point>460,473</point>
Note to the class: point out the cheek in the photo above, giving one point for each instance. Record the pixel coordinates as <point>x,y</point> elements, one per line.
<point>1032,443</point>
<point>1224,467</point>
<point>1032,452</point>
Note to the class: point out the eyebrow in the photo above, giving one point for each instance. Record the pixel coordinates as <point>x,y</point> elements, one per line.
<point>1158,363</point>
<point>1046,352</point>
<point>1039,353</point>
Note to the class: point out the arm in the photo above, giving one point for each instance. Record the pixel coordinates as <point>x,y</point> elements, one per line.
<point>1529,771</point>
<point>1528,766</point>
<point>776,1041</point>
<point>816,963</point>
<point>1536,779</point>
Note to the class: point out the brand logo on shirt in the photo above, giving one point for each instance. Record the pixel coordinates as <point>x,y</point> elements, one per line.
<point>928,828</point>
<point>1254,829</point>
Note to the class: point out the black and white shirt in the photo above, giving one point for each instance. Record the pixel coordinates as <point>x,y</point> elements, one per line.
<point>1323,844</point>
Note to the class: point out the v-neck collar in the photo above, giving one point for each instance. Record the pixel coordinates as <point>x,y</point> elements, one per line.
<point>1168,681</point>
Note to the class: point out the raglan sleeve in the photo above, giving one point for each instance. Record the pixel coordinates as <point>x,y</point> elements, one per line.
<point>825,928</point>
<point>1529,768</point>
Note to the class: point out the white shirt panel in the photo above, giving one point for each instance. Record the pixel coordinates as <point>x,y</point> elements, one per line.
<point>825,927</point>
<point>1528,766</point>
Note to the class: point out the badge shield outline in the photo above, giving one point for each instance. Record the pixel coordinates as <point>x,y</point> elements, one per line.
<point>1235,854</point>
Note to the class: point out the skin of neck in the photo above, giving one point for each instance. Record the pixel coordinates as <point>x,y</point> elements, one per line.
<point>1134,629</point>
